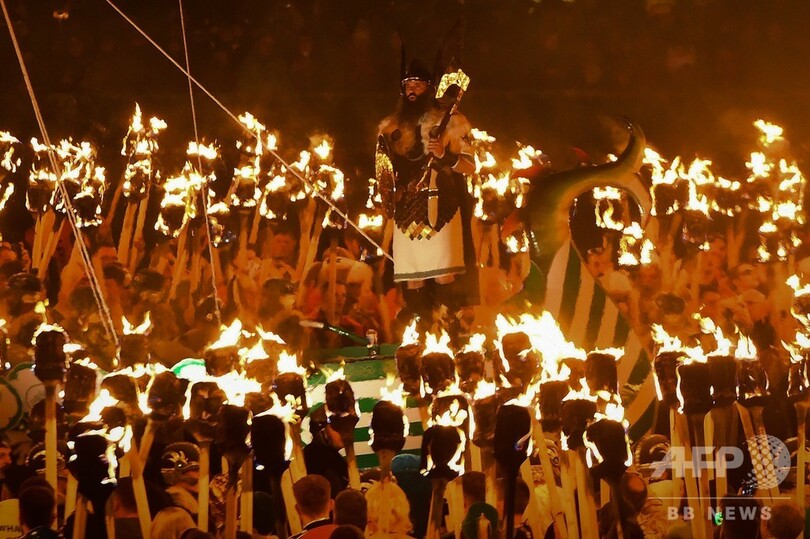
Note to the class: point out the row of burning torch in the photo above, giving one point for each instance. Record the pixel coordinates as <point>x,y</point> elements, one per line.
<point>690,200</point>
<point>260,184</point>
<point>530,386</point>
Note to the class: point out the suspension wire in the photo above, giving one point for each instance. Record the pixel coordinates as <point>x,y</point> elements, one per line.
<point>227,111</point>
<point>104,311</point>
<point>199,165</point>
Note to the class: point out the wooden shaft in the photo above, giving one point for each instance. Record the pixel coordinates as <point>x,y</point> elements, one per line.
<point>246,499</point>
<point>180,261</point>
<point>37,245</point>
<point>306,217</point>
<point>80,518</point>
<point>765,451</point>
<point>231,508</point>
<point>533,513</point>
<point>280,506</point>
<point>50,247</point>
<point>548,474</point>
<point>698,531</point>
<point>455,506</point>
<point>351,461</point>
<point>125,239</point>
<point>139,488</point>
<point>298,467</point>
<point>138,237</point>
<point>50,435</point>
<point>436,506</point>
<point>289,502</point>
<point>71,492</point>
<point>698,427</point>
<point>146,441</point>
<point>801,454</point>
<point>753,448</point>
<point>331,298</point>
<point>205,474</point>
<point>488,467</point>
<point>568,482</point>
<point>587,506</point>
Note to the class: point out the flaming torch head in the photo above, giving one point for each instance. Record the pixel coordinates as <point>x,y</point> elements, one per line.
<point>485,413</point>
<point>695,388</point>
<point>577,414</point>
<point>442,452</point>
<point>92,464</point>
<point>122,388</point>
<point>723,371</point>
<point>452,409</point>
<point>166,396</point>
<point>341,408</point>
<point>666,379</point>
<point>470,369</point>
<point>798,373</point>
<point>523,361</point>
<point>409,367</point>
<point>601,374</point>
<point>268,435</point>
<point>50,360</point>
<point>388,425</point>
<point>134,350</point>
<point>512,436</point>
<point>233,429</point>
<point>550,403</point>
<point>221,361</point>
<point>289,387</point>
<point>80,389</point>
<point>608,453</point>
<point>438,371</point>
<point>206,399</point>
<point>753,389</point>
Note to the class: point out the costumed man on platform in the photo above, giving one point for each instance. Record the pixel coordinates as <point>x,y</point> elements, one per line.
<point>423,153</point>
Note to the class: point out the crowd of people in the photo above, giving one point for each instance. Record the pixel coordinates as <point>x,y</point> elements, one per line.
<point>313,281</point>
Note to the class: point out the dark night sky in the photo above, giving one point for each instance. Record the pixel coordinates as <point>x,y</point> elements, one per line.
<point>546,74</point>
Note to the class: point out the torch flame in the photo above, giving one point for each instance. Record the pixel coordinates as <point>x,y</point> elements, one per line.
<point>337,375</point>
<point>438,344</point>
<point>411,334</point>
<point>289,363</point>
<point>141,329</point>
<point>770,132</point>
<point>229,335</point>
<point>746,350</point>
<point>527,157</point>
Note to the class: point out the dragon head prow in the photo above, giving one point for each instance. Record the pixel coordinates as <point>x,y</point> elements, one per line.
<point>549,202</point>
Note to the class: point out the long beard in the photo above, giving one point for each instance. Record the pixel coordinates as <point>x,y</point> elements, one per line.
<point>412,111</point>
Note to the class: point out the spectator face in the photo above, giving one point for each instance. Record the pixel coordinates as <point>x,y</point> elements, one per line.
<point>718,250</point>
<point>649,277</point>
<point>746,278</point>
<point>107,255</point>
<point>711,305</point>
<point>282,246</point>
<point>5,457</point>
<point>757,304</point>
<point>599,262</point>
<point>7,255</point>
<point>340,298</point>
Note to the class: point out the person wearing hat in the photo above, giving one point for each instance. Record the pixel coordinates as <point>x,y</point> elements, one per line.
<point>180,468</point>
<point>428,249</point>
